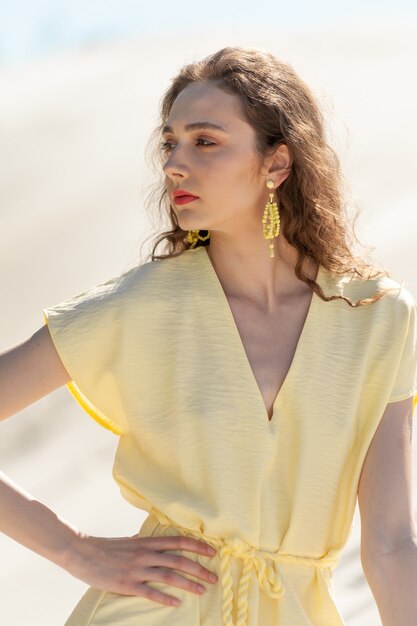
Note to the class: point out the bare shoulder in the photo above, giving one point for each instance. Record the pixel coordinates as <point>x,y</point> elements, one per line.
<point>28,371</point>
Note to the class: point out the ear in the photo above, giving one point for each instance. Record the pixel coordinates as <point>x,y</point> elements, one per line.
<point>278,164</point>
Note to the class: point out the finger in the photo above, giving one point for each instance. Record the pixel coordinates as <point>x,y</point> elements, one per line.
<point>181,563</point>
<point>146,591</point>
<point>169,577</point>
<point>180,542</point>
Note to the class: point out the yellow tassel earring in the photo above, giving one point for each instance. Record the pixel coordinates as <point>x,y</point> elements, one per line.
<point>194,235</point>
<point>271,230</point>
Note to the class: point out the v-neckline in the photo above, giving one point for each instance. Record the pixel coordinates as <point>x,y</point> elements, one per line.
<point>237,337</point>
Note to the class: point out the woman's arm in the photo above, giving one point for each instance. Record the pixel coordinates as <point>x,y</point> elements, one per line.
<point>388,528</point>
<point>33,525</point>
<point>123,565</point>
<point>29,371</point>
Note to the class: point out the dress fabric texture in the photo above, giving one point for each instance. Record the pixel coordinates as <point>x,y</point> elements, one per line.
<point>155,356</point>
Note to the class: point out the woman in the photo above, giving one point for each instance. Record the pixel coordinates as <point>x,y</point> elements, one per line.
<point>258,375</point>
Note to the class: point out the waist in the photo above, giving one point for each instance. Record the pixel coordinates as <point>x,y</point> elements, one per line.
<point>262,564</point>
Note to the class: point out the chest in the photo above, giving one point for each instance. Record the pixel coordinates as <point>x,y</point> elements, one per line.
<point>270,342</point>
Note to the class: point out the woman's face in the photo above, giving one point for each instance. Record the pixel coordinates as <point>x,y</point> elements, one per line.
<point>219,166</point>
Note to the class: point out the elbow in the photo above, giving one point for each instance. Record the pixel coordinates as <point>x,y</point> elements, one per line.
<point>374,556</point>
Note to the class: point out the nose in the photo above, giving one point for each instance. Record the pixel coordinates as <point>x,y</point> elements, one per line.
<point>175,166</point>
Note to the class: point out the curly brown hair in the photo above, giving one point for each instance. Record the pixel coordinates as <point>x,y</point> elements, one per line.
<point>313,199</point>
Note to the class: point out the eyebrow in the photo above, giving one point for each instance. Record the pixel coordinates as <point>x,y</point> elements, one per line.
<point>195,126</point>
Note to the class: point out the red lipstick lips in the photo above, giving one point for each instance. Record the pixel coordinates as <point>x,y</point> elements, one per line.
<point>185,199</point>
<point>181,196</point>
<point>183,192</point>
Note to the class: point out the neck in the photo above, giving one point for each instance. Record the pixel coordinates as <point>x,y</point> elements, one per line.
<point>252,275</point>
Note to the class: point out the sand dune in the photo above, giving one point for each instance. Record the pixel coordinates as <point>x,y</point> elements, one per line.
<point>72,176</point>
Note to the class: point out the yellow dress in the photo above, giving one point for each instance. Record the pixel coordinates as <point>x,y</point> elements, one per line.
<point>156,357</point>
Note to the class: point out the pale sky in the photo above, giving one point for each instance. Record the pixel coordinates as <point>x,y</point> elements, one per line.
<point>35,28</point>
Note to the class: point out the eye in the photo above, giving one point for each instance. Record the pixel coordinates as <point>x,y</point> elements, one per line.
<point>166,146</point>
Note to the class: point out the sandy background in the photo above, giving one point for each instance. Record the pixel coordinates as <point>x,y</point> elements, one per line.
<point>72,177</point>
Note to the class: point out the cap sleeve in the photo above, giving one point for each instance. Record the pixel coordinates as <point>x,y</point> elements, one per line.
<point>85,330</point>
<point>405,380</point>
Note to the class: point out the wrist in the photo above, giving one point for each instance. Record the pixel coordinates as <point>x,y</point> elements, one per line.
<point>73,552</point>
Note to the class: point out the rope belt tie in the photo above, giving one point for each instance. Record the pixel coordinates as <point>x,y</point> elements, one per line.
<point>262,562</point>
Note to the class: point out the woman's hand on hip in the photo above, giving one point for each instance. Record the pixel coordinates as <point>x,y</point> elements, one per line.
<point>125,564</point>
